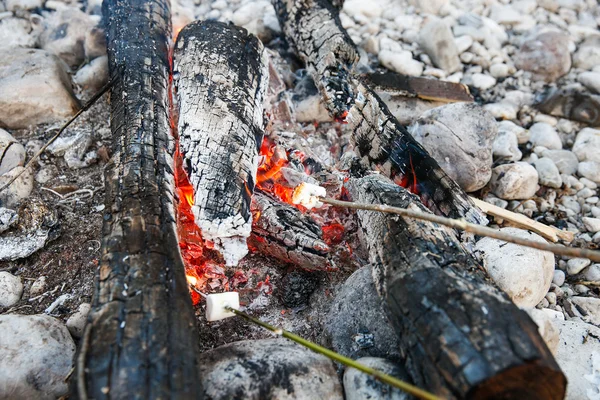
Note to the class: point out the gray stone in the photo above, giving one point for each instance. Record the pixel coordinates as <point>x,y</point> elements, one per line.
<point>591,224</point>
<point>15,5</point>
<point>548,173</point>
<point>518,181</point>
<point>546,55</point>
<point>267,369</point>
<point>592,273</point>
<point>12,153</point>
<point>543,134</point>
<point>591,80</point>
<point>437,41</point>
<point>65,34</point>
<point>525,274</point>
<point>37,287</point>
<point>19,190</point>
<point>76,322</point>
<point>361,386</point>
<point>590,308</point>
<point>459,136</point>
<point>587,145</point>
<point>548,330</point>
<point>578,356</point>
<point>34,89</point>
<point>506,146</point>
<point>356,325</point>
<point>565,161</point>
<point>501,70</point>
<point>576,265</point>
<point>587,55</point>
<point>8,218</point>
<point>589,170</point>
<point>36,356</point>
<point>94,75</point>
<point>429,6</point>
<point>11,289</point>
<point>95,43</point>
<point>400,61</point>
<point>16,32</point>
<point>522,134</point>
<point>558,278</point>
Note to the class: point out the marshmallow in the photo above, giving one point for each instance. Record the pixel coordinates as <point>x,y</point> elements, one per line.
<point>216,303</point>
<point>307,195</point>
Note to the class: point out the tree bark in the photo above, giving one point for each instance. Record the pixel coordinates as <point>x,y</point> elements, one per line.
<point>141,339</point>
<point>462,337</point>
<point>221,78</point>
<point>283,232</point>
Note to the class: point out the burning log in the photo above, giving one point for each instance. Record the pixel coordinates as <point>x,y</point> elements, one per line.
<point>221,77</point>
<point>283,232</point>
<point>313,27</point>
<point>141,338</point>
<point>463,337</point>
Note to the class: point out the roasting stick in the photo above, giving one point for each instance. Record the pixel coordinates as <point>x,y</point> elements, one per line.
<point>468,227</point>
<point>224,305</point>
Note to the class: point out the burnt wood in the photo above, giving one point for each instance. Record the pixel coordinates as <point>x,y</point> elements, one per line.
<point>221,78</point>
<point>462,337</point>
<point>313,27</point>
<point>283,232</point>
<point>572,104</point>
<point>141,339</point>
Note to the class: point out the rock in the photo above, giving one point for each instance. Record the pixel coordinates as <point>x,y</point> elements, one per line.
<point>37,287</point>
<point>589,307</point>
<point>587,145</point>
<point>65,34</point>
<point>590,80</point>
<point>502,110</point>
<point>459,136</point>
<point>16,32</point>
<point>548,173</point>
<point>506,146</point>
<point>437,41</point>
<point>482,81</point>
<point>15,5</point>
<point>525,274</point>
<point>11,289</point>
<point>359,7</point>
<point>267,369</point>
<point>296,288</point>
<point>361,386</point>
<point>559,277</point>
<point>516,181</point>
<point>565,161</point>
<point>578,356</point>
<point>18,190</point>
<point>356,325</point>
<point>76,322</point>
<point>8,218</point>
<point>548,330</point>
<point>576,265</point>
<point>463,43</point>
<point>36,356</point>
<point>34,89</point>
<point>258,17</point>
<point>12,153</point>
<point>543,134</point>
<point>591,224</point>
<point>592,273</point>
<point>509,126</point>
<point>546,55</point>
<point>429,6</point>
<point>587,55</point>
<point>501,70</point>
<point>93,75</point>
<point>401,62</point>
<point>94,44</point>
<point>589,170</point>
<point>505,15</point>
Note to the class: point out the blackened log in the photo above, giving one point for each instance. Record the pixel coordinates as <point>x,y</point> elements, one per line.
<point>313,27</point>
<point>572,104</point>
<point>221,78</point>
<point>283,232</point>
<point>463,338</point>
<point>386,145</point>
<point>141,340</point>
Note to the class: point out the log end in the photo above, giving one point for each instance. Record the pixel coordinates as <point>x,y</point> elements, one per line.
<point>526,381</point>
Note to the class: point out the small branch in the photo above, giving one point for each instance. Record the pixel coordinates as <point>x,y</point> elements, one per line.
<point>468,227</point>
<point>86,107</point>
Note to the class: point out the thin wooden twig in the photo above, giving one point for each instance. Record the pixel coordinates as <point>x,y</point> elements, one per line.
<point>86,107</point>
<point>468,227</point>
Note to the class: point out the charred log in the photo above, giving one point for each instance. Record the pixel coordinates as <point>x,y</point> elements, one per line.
<point>313,27</point>
<point>386,145</point>
<point>283,232</point>
<point>141,340</point>
<point>572,104</point>
<point>221,77</point>
<point>462,337</point>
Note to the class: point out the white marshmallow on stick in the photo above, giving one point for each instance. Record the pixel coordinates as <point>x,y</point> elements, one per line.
<point>216,303</point>
<point>307,195</point>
